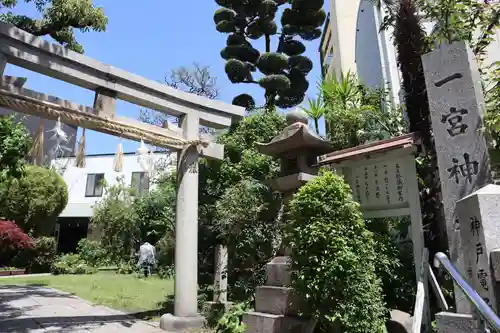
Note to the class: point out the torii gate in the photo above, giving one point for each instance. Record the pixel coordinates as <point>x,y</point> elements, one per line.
<point>109,83</point>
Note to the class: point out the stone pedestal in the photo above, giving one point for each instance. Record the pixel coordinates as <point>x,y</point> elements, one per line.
<point>448,322</point>
<point>171,323</point>
<point>275,305</point>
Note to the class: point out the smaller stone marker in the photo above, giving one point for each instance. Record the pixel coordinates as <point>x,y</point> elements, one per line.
<point>479,217</point>
<point>220,279</point>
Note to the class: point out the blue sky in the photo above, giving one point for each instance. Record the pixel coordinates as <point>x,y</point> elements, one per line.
<point>149,39</point>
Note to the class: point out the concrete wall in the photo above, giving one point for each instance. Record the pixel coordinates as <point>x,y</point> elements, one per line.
<point>344,17</point>
<point>32,123</point>
<point>369,69</point>
<point>76,178</point>
<point>351,35</point>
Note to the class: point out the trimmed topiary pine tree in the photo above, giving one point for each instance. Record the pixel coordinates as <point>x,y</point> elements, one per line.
<point>283,66</point>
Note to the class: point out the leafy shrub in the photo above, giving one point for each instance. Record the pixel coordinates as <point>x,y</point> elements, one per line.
<point>34,200</point>
<point>72,264</point>
<point>246,223</point>
<point>91,252</point>
<point>394,263</point>
<point>156,211</point>
<point>15,142</point>
<point>13,242</point>
<point>42,255</point>
<point>333,256</point>
<point>126,268</point>
<point>165,256</point>
<point>222,188</point>
<point>231,322</point>
<point>115,216</point>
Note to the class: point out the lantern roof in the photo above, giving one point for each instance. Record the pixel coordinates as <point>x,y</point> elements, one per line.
<point>296,136</point>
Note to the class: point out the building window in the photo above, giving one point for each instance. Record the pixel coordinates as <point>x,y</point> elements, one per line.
<point>94,185</point>
<point>140,182</point>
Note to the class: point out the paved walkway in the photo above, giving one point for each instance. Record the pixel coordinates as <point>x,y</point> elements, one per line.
<point>45,310</point>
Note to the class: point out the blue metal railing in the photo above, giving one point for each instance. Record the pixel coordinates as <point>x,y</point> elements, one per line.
<point>486,313</point>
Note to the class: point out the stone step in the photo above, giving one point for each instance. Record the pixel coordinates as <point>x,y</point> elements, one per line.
<point>258,322</point>
<point>276,300</point>
<point>400,322</point>
<point>450,322</point>
<point>277,272</point>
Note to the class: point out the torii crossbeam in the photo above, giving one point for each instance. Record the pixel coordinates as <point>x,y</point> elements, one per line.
<point>109,83</point>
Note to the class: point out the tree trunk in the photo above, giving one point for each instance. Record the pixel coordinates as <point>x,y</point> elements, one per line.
<point>411,46</point>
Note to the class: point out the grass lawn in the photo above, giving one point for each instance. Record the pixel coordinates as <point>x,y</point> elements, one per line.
<point>121,292</point>
<point>145,299</point>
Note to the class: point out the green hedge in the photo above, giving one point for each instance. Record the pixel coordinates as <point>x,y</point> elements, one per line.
<point>333,257</point>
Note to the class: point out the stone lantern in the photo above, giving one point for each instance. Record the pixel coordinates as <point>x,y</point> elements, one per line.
<point>298,149</point>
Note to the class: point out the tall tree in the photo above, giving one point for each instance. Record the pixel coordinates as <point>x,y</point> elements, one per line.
<point>15,143</point>
<point>283,66</point>
<point>59,19</point>
<point>196,79</point>
<point>411,43</point>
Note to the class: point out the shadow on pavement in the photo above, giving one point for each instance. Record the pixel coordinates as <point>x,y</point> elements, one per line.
<point>36,308</point>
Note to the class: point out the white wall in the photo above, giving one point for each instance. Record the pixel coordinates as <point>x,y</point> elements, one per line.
<point>76,178</point>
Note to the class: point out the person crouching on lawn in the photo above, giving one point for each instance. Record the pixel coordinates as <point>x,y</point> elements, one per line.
<point>147,258</point>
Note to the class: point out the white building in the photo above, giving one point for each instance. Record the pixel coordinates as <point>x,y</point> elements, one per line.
<point>85,189</point>
<point>352,41</point>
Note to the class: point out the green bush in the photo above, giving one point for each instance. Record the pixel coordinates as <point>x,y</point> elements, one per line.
<point>126,268</point>
<point>237,181</point>
<point>42,255</point>
<point>155,211</point>
<point>116,217</point>
<point>165,256</point>
<point>333,257</point>
<point>15,142</point>
<point>72,264</point>
<point>231,322</point>
<point>34,200</point>
<point>394,263</point>
<point>91,252</point>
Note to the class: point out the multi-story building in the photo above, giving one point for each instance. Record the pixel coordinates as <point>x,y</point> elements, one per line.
<point>352,41</point>
<point>85,189</point>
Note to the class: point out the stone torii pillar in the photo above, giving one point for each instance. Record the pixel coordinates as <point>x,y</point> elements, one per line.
<point>186,234</point>
<point>186,225</point>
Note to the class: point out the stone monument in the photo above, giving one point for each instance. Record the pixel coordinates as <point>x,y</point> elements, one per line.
<point>297,148</point>
<point>456,105</point>
<point>479,214</point>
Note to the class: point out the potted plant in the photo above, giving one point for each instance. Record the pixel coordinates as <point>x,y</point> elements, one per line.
<point>8,271</point>
<point>4,271</point>
<point>17,271</point>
